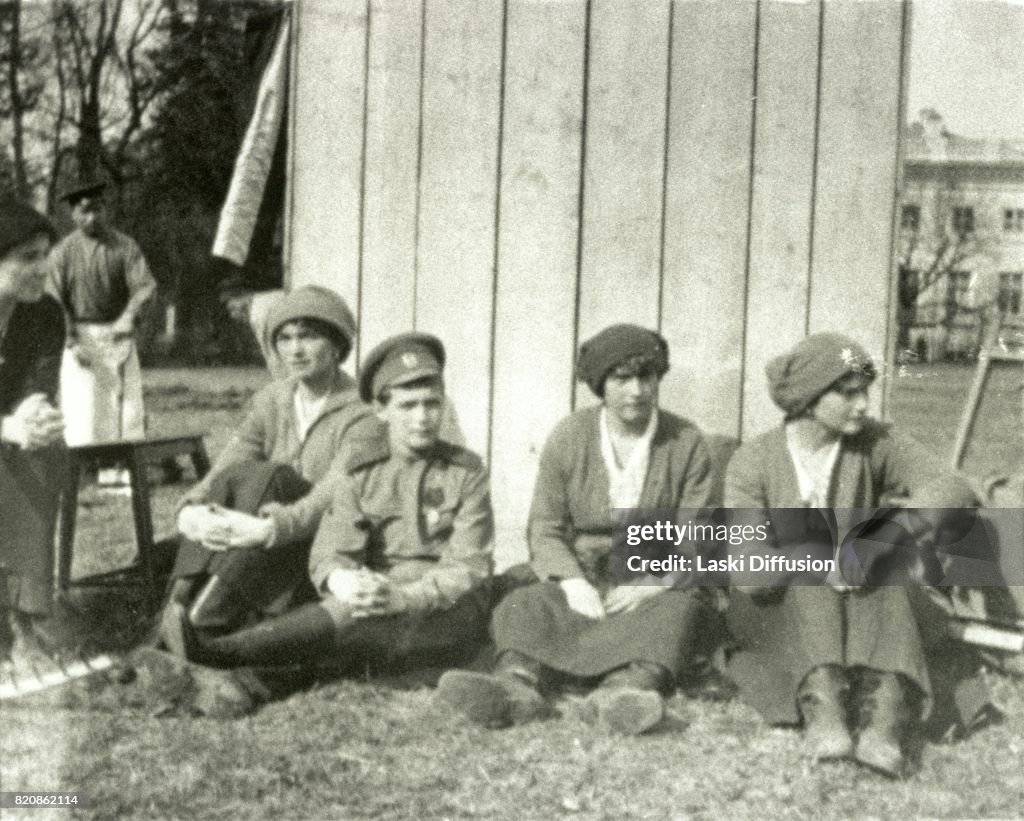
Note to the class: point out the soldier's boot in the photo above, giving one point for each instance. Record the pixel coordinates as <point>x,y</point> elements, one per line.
<point>889,708</point>
<point>509,695</point>
<point>822,698</point>
<point>216,609</point>
<point>629,700</point>
<point>302,635</point>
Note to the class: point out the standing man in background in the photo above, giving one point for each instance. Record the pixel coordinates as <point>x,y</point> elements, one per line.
<point>102,281</point>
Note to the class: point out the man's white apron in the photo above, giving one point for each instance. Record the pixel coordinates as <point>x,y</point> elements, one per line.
<point>102,402</point>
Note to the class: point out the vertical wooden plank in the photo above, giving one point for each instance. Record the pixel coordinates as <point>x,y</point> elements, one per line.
<point>328,97</point>
<point>537,242</point>
<point>458,198</point>
<point>624,164</point>
<point>707,208</point>
<point>388,285</point>
<point>859,127</point>
<point>782,196</point>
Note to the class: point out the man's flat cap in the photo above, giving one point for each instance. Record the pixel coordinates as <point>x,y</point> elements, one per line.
<point>82,189</point>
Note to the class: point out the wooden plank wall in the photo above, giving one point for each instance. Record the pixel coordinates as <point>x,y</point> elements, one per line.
<point>513,175</point>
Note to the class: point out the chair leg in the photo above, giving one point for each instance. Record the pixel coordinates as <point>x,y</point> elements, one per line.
<point>68,516</point>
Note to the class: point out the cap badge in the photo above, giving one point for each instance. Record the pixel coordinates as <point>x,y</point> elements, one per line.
<point>409,360</point>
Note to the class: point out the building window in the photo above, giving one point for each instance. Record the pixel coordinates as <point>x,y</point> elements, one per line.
<point>1013,219</point>
<point>958,286</point>
<point>910,217</point>
<point>1010,289</point>
<point>909,286</point>
<point>963,220</point>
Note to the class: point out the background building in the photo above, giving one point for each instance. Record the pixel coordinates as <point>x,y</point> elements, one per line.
<point>961,240</point>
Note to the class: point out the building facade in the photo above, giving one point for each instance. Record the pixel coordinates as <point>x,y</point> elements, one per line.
<point>961,240</point>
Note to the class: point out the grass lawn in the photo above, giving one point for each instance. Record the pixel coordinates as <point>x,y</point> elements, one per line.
<point>351,749</point>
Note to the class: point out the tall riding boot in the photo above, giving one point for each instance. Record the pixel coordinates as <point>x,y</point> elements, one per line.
<point>301,636</point>
<point>218,607</point>
<point>822,699</point>
<point>511,695</point>
<point>889,708</point>
<point>629,700</point>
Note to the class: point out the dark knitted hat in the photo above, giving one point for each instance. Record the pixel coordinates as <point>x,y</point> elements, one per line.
<point>615,345</point>
<point>797,378</point>
<point>19,223</point>
<point>314,302</point>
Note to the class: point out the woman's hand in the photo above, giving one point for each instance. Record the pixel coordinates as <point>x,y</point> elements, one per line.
<point>582,597</point>
<point>218,528</point>
<point>244,530</point>
<point>34,424</point>
<point>628,597</point>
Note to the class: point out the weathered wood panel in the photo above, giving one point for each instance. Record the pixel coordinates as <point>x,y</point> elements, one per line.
<point>327,140</point>
<point>624,164</point>
<point>707,209</point>
<point>533,171</point>
<point>782,198</point>
<point>857,172</point>
<point>388,286</point>
<point>458,198</point>
<point>538,244</point>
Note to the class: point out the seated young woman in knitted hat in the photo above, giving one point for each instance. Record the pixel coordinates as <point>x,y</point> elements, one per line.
<point>829,654</point>
<point>578,623</point>
<point>32,433</point>
<point>249,523</point>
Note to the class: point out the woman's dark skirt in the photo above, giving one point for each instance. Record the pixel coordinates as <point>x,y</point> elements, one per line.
<point>30,486</point>
<point>537,622</point>
<point>887,629</point>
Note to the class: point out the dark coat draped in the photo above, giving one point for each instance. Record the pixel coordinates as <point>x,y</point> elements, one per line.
<point>30,481</point>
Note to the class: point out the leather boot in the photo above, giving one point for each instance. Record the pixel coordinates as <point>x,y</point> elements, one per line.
<point>301,636</point>
<point>509,695</point>
<point>217,607</point>
<point>888,709</point>
<point>822,699</point>
<point>629,700</point>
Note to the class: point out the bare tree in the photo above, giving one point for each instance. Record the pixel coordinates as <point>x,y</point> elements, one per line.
<point>108,81</point>
<point>947,236</point>
<point>78,84</point>
<point>20,87</point>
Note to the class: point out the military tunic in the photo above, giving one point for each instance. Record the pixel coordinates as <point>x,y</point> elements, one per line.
<point>426,523</point>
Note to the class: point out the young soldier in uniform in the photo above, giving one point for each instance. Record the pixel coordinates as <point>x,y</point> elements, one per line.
<point>402,559</point>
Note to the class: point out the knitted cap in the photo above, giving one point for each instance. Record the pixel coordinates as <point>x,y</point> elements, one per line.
<point>313,302</point>
<point>614,345</point>
<point>797,378</point>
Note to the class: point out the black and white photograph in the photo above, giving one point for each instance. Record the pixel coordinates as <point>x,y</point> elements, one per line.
<point>511,409</point>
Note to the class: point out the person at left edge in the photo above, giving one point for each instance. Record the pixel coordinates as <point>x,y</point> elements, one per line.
<point>101,279</point>
<point>31,434</point>
<point>401,562</point>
